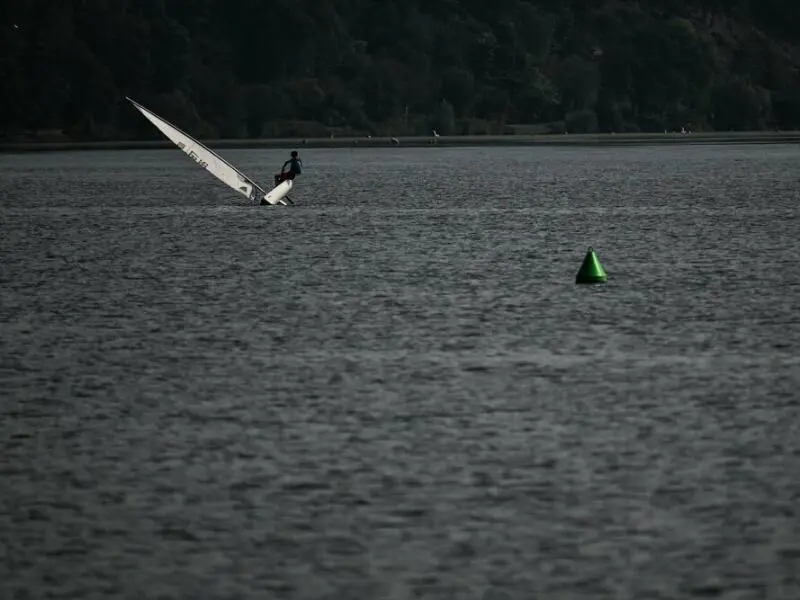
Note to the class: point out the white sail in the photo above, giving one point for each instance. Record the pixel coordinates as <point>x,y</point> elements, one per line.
<point>205,157</point>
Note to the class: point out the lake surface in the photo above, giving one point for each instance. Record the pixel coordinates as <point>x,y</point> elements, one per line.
<point>394,389</point>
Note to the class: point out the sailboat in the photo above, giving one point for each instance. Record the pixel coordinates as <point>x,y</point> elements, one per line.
<point>216,165</point>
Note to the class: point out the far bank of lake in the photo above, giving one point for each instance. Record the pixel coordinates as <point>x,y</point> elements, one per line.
<point>595,139</point>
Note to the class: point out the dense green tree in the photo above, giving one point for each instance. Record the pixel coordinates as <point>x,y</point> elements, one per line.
<point>248,68</point>
<point>444,120</point>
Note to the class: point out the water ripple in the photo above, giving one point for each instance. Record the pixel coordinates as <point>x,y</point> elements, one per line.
<point>394,389</point>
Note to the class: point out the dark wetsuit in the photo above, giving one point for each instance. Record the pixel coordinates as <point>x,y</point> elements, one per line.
<point>295,168</point>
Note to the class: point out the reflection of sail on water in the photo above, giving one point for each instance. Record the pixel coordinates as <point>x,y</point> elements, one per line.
<point>205,157</point>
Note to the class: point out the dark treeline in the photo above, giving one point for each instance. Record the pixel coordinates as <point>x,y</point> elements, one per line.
<point>307,68</point>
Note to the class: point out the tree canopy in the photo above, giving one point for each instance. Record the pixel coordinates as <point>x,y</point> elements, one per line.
<point>305,68</point>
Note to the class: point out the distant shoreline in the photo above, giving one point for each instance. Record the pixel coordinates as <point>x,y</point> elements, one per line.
<point>601,139</point>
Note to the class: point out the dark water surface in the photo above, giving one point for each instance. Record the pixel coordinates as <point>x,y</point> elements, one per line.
<point>394,389</point>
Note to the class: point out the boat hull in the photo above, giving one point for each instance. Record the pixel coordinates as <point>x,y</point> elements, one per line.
<point>277,195</point>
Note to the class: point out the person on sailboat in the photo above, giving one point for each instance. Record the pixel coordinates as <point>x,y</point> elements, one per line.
<point>295,167</point>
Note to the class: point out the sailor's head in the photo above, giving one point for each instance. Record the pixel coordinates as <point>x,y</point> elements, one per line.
<point>294,154</point>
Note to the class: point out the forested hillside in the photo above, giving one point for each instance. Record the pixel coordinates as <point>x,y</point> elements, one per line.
<point>268,68</point>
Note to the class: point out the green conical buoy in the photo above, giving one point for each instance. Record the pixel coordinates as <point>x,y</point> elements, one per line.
<point>591,270</point>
